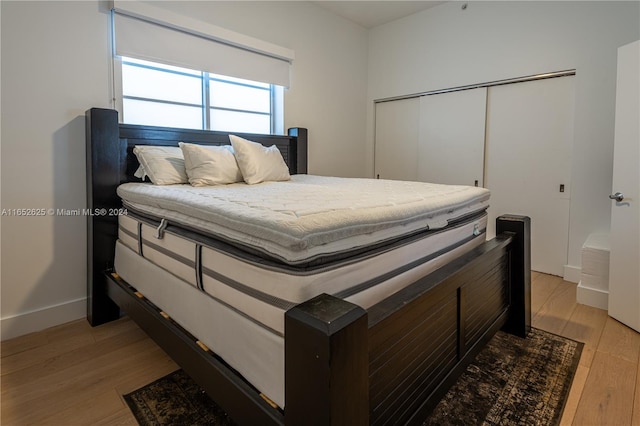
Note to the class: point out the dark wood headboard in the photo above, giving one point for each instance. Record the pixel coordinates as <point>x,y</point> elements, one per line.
<point>111,162</point>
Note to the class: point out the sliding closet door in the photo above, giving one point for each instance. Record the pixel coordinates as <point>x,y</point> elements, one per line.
<point>452,127</point>
<point>528,162</point>
<point>396,144</point>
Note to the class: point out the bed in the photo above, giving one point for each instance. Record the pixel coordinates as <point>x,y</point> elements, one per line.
<point>371,328</point>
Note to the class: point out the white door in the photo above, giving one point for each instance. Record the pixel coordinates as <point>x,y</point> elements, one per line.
<point>396,139</point>
<point>451,148</point>
<point>528,163</point>
<point>624,266</point>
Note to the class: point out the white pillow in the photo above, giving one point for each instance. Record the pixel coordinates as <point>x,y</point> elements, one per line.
<point>210,165</point>
<point>259,163</point>
<point>164,165</point>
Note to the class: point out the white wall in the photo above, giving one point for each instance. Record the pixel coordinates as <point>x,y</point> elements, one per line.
<point>446,47</point>
<point>56,65</point>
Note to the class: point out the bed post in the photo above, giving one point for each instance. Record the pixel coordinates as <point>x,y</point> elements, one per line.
<point>326,363</point>
<point>103,176</point>
<point>299,149</point>
<point>519,320</point>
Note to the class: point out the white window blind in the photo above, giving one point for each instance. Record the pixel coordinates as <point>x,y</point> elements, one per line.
<point>146,32</point>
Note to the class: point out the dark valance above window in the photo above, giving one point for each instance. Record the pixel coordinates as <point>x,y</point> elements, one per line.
<point>146,32</point>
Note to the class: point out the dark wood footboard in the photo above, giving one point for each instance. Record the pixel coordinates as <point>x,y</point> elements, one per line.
<point>418,341</point>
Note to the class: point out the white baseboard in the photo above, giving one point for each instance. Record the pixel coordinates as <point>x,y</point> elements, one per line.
<point>572,273</point>
<point>29,322</point>
<point>592,297</point>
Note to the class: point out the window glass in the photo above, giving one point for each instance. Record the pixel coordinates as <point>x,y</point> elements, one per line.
<point>240,97</point>
<point>161,114</point>
<point>233,121</point>
<point>240,81</point>
<point>151,83</point>
<point>166,67</point>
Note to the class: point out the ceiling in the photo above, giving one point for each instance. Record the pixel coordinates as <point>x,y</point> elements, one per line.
<point>369,14</point>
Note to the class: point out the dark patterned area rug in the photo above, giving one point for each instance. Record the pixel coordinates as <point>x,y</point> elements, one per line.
<point>512,381</point>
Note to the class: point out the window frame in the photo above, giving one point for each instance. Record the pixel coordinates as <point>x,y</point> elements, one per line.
<point>276,95</point>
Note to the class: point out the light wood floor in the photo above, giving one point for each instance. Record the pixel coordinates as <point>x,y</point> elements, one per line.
<point>75,375</point>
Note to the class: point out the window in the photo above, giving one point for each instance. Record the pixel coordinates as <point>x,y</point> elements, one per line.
<point>162,95</point>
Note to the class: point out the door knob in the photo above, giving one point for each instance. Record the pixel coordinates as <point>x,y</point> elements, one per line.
<point>617,196</point>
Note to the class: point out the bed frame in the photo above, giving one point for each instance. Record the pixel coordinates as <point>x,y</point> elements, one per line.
<point>343,365</point>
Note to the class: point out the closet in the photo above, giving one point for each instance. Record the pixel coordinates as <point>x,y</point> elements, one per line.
<point>397,130</point>
<point>451,132</point>
<point>420,138</point>
<point>514,137</point>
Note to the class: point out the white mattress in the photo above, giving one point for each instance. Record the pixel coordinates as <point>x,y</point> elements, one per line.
<point>251,349</point>
<point>307,217</point>
<point>236,307</point>
<point>263,292</point>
